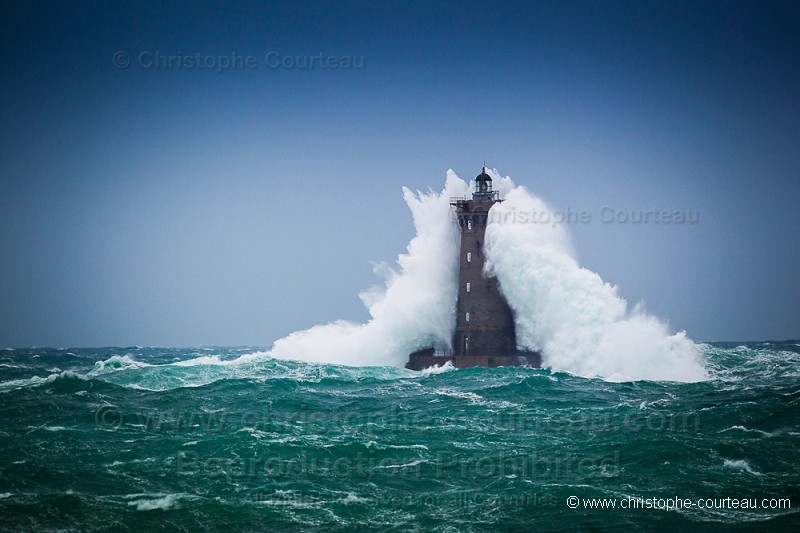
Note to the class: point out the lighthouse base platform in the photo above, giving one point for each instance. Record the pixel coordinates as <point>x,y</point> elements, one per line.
<point>429,357</point>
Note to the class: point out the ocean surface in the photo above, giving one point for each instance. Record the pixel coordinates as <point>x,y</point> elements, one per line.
<point>231,438</point>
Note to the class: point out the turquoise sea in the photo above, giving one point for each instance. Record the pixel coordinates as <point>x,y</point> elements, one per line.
<point>232,439</point>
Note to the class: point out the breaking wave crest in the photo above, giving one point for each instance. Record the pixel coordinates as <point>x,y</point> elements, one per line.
<point>414,308</point>
<point>579,322</point>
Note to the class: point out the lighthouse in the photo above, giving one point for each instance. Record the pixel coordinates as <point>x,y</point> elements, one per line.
<point>484,333</point>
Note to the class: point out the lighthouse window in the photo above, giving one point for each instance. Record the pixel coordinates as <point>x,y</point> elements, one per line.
<point>467,317</point>
<point>469,257</point>
<point>468,286</point>
<point>469,225</point>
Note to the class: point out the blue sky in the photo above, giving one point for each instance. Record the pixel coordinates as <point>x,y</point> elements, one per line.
<point>176,205</point>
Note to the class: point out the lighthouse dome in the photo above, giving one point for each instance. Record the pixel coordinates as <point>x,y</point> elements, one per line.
<point>483,186</point>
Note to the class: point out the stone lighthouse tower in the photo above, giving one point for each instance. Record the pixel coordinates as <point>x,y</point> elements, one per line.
<point>484,334</point>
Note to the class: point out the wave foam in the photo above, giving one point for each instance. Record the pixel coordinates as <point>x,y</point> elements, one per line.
<point>579,322</point>
<point>416,306</point>
<point>740,465</point>
<point>438,369</point>
<point>163,503</point>
<point>115,363</point>
<point>35,381</point>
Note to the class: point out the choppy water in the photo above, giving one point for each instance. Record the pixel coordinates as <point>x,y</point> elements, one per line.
<point>160,438</point>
